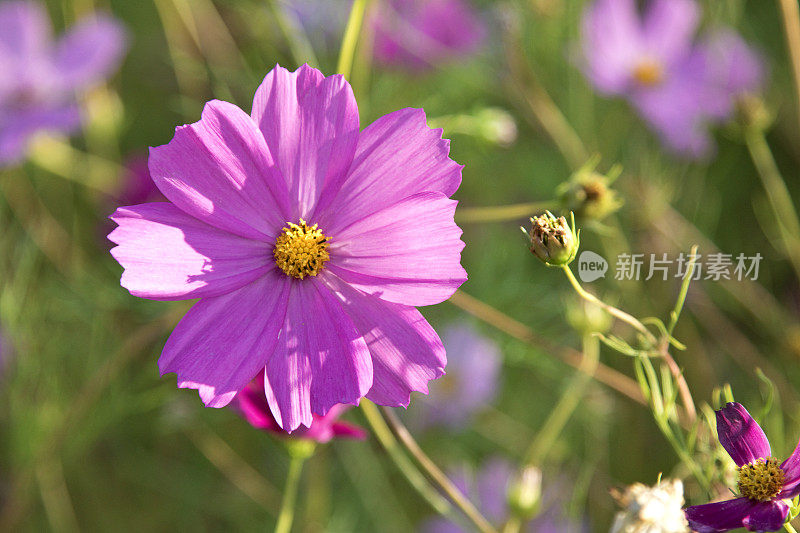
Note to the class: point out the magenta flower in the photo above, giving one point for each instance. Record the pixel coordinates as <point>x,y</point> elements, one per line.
<point>678,87</point>
<point>251,403</point>
<point>473,371</point>
<point>763,483</point>
<point>308,242</point>
<point>419,34</point>
<point>39,76</point>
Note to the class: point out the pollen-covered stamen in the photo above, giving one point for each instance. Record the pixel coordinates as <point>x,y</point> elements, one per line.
<point>761,480</point>
<point>648,73</point>
<point>301,250</point>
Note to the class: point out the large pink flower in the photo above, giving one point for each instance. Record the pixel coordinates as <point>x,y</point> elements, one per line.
<point>308,242</point>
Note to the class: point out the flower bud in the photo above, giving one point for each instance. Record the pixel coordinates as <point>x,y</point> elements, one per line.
<point>587,317</point>
<point>588,193</point>
<point>752,113</point>
<point>525,493</point>
<point>552,240</point>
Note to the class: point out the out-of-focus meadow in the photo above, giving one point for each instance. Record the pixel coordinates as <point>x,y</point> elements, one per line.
<point>91,438</point>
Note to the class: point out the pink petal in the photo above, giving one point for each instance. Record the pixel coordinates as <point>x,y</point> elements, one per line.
<point>669,27</point>
<point>89,52</point>
<point>720,516</point>
<point>320,359</point>
<point>769,516</point>
<point>408,253</point>
<point>26,30</point>
<point>612,43</point>
<point>223,342</point>
<point>398,155</point>
<point>311,125</point>
<point>406,351</point>
<point>220,171</point>
<point>791,467</point>
<point>741,436</point>
<point>169,255</point>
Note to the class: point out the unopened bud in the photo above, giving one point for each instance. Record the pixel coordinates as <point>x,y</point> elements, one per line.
<point>751,112</point>
<point>553,240</point>
<point>525,493</point>
<point>497,126</point>
<point>587,317</point>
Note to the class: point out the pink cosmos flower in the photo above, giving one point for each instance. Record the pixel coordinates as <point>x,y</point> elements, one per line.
<point>309,244</point>
<point>678,86</point>
<point>418,34</point>
<point>763,484</point>
<point>251,403</point>
<point>39,76</point>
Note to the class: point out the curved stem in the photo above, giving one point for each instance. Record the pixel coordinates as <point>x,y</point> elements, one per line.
<point>438,477</point>
<point>351,34</point>
<point>613,311</point>
<point>501,213</point>
<point>407,468</point>
<point>286,516</point>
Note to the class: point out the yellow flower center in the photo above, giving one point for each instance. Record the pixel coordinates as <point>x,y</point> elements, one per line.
<point>301,250</point>
<point>648,73</point>
<point>761,480</point>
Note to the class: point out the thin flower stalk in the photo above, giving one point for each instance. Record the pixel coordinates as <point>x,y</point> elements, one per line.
<point>384,435</point>
<point>436,474</point>
<point>790,13</point>
<point>352,33</point>
<point>502,213</point>
<point>286,516</point>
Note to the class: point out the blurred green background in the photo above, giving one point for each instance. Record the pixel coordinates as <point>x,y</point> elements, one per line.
<point>92,439</point>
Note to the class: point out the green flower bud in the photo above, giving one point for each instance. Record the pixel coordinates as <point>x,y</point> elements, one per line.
<point>552,240</point>
<point>525,493</point>
<point>588,193</point>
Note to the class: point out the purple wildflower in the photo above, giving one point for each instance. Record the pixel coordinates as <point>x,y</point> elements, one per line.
<point>489,487</point>
<point>251,403</point>
<point>419,34</point>
<point>763,483</point>
<point>678,87</point>
<point>309,243</point>
<point>39,77</point>
<point>471,382</point>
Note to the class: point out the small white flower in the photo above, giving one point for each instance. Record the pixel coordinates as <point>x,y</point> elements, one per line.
<point>651,509</point>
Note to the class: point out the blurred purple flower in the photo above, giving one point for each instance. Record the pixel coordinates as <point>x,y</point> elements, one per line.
<point>39,76</point>
<point>678,87</point>
<point>323,22</point>
<point>419,34</point>
<point>764,484</point>
<point>326,309</point>
<point>488,490</point>
<point>473,371</point>
<point>251,404</point>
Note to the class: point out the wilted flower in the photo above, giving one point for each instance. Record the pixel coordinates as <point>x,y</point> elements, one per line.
<point>679,87</point>
<point>419,34</point>
<point>489,489</point>
<point>651,509</point>
<point>473,370</point>
<point>309,244</point>
<point>763,483</point>
<point>39,76</point>
<point>553,240</point>
<point>251,403</point>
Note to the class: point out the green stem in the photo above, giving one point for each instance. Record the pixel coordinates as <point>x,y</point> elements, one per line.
<point>351,34</point>
<point>777,193</point>
<point>438,477</point>
<point>286,515</point>
<point>613,311</point>
<point>567,404</point>
<point>788,527</point>
<point>501,213</point>
<point>403,463</point>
